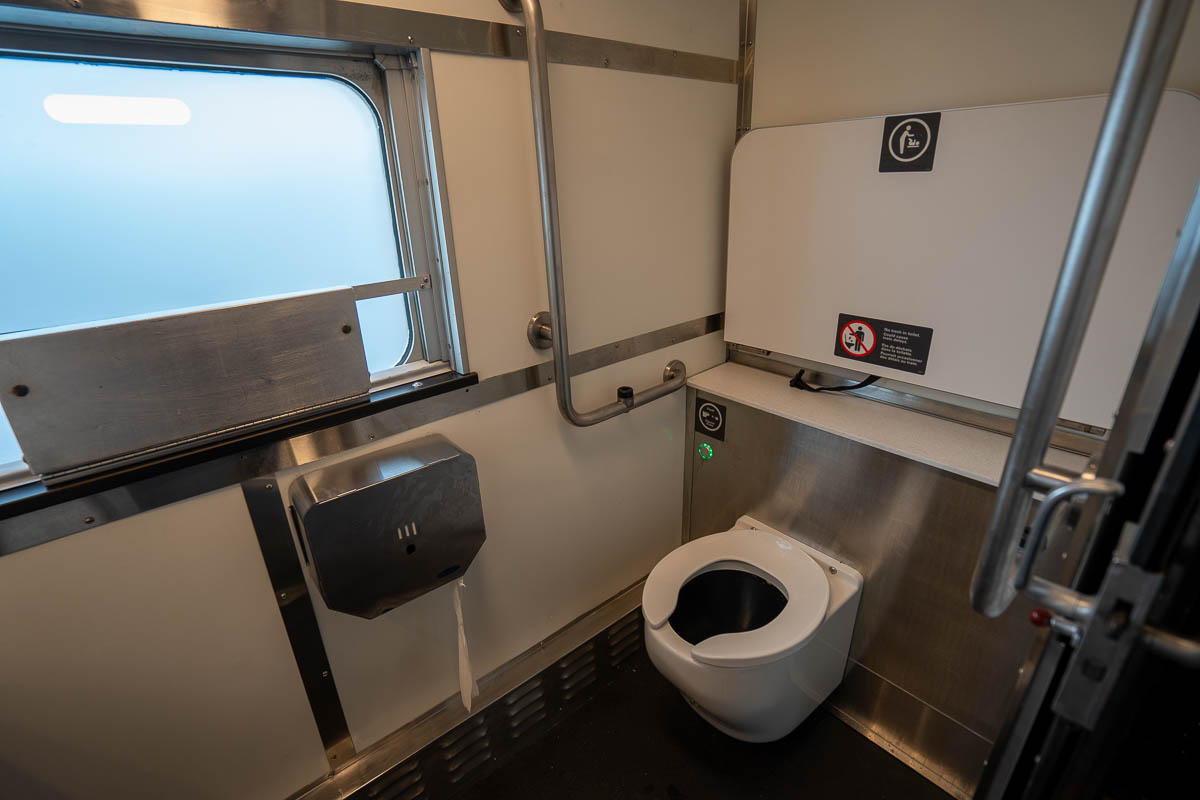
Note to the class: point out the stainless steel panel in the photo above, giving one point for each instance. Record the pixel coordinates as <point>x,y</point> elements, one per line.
<point>387,527</point>
<point>84,394</point>
<point>348,27</point>
<point>928,741</point>
<point>911,530</point>
<point>88,506</point>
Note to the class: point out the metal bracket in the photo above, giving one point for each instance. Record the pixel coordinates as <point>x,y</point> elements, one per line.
<point>1108,637</point>
<point>540,332</point>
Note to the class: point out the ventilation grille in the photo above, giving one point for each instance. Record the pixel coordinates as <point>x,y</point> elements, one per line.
<point>399,783</point>
<point>492,735</point>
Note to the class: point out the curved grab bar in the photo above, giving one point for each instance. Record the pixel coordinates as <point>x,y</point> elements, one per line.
<point>1137,88</point>
<point>675,375</point>
<point>1041,521</point>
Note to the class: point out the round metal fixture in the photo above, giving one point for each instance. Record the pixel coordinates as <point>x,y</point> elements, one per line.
<point>539,332</point>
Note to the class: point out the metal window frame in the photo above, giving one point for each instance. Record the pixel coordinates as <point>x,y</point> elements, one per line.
<point>396,89</point>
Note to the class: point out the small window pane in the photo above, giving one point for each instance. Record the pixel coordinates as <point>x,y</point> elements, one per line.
<point>129,190</point>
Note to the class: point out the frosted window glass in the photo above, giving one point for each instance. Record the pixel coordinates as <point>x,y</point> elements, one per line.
<point>128,190</point>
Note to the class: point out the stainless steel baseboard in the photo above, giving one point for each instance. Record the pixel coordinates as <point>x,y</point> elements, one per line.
<point>944,751</point>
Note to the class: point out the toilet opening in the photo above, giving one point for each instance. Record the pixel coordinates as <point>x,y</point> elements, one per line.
<point>724,601</point>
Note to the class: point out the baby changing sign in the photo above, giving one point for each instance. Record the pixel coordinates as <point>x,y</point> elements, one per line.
<point>898,345</point>
<point>909,142</point>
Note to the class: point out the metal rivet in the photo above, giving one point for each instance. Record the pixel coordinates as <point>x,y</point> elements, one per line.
<point>76,4</point>
<point>20,390</point>
<point>346,329</point>
<point>833,570</point>
<point>324,673</point>
<point>283,595</point>
<point>520,31</point>
<point>410,40</point>
<point>371,436</point>
<point>88,520</point>
<point>606,61</point>
<point>270,486</point>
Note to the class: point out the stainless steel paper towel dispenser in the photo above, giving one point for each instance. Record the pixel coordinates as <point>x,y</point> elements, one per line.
<point>384,528</point>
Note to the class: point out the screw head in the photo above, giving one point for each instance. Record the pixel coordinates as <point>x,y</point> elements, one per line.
<point>417,384</point>
<point>833,570</point>
<point>89,519</point>
<point>410,40</point>
<point>20,390</point>
<point>347,328</point>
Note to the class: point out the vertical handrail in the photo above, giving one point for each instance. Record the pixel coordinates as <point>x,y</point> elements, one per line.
<point>674,376</point>
<point>1137,88</point>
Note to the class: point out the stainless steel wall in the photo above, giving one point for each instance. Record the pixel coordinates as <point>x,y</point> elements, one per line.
<point>929,677</point>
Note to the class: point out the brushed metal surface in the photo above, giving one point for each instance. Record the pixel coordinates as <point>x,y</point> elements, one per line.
<point>389,526</point>
<point>98,391</point>
<point>918,734</point>
<point>912,530</point>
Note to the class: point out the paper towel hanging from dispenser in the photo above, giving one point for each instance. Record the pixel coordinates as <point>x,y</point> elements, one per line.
<point>386,527</point>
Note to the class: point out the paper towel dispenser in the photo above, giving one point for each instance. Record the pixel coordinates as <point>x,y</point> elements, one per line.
<point>383,528</point>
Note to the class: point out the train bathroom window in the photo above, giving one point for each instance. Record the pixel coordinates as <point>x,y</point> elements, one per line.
<point>131,190</point>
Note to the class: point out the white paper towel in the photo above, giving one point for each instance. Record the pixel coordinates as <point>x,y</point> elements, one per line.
<point>467,687</point>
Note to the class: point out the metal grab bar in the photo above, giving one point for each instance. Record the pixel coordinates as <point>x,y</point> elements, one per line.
<point>675,374</point>
<point>1137,88</point>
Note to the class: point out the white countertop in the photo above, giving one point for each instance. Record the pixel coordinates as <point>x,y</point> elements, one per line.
<point>962,449</point>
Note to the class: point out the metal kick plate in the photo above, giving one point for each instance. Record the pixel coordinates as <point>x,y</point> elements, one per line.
<point>386,527</point>
<point>82,394</point>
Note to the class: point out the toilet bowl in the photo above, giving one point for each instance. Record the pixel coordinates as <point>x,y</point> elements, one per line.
<point>752,626</point>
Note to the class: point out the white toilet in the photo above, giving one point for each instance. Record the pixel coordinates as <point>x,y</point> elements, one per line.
<point>752,626</point>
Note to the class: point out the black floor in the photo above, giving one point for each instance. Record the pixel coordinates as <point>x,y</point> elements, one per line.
<point>637,738</point>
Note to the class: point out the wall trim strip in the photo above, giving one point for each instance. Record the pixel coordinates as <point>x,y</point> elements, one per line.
<point>269,517</point>
<point>747,25</point>
<point>334,25</point>
<point>25,522</point>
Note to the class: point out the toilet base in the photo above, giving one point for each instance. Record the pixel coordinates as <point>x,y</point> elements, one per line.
<point>732,732</point>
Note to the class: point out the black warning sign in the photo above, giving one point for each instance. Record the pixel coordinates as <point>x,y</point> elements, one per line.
<point>710,418</point>
<point>897,345</point>
<point>909,142</point>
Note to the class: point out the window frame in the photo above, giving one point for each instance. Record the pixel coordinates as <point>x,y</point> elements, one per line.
<point>397,87</point>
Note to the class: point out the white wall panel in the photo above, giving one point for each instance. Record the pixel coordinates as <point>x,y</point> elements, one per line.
<point>573,515</point>
<point>971,249</point>
<point>643,180</point>
<point>146,659</point>
<point>817,60</point>
<point>696,26</point>
<point>149,657</point>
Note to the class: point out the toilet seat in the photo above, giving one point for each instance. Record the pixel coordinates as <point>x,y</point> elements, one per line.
<point>779,559</point>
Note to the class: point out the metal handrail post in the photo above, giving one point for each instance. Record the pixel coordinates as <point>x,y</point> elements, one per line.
<point>674,376</point>
<point>1137,88</point>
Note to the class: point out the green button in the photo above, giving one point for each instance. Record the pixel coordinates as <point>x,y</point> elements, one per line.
<point>706,451</point>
